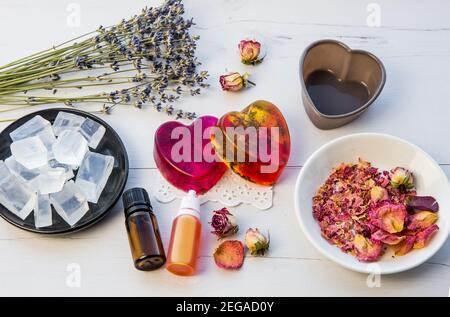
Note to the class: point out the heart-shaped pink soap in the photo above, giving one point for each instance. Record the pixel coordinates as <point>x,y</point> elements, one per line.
<point>185,157</point>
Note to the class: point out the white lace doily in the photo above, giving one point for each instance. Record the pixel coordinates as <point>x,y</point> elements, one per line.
<point>230,191</point>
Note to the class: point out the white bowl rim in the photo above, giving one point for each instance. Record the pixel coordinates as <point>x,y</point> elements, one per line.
<point>330,256</point>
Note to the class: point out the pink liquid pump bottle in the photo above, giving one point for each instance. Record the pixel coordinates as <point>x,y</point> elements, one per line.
<point>185,238</point>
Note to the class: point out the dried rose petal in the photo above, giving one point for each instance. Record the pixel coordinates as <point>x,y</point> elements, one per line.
<point>367,250</point>
<point>388,238</point>
<point>378,193</point>
<point>363,164</point>
<point>423,237</point>
<point>389,217</point>
<point>426,203</point>
<point>422,220</point>
<point>353,203</point>
<point>406,246</point>
<point>230,255</point>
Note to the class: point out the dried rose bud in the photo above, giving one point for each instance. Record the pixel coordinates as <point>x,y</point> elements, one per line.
<point>401,178</point>
<point>235,82</point>
<point>406,246</point>
<point>389,217</point>
<point>378,193</point>
<point>387,238</point>
<point>223,223</point>
<point>249,51</point>
<point>367,250</point>
<point>423,237</point>
<point>256,242</point>
<point>422,220</point>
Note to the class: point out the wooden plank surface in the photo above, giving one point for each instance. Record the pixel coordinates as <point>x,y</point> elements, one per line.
<point>412,43</point>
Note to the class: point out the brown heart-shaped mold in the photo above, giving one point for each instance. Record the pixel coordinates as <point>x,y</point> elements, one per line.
<point>338,83</point>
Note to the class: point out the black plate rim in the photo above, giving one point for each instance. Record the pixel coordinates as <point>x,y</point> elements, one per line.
<point>116,198</point>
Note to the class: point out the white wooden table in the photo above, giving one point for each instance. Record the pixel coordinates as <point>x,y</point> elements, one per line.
<point>412,41</point>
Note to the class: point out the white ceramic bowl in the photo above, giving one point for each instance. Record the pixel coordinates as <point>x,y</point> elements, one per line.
<point>385,152</point>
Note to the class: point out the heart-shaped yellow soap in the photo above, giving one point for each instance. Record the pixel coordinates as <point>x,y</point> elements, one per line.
<point>254,143</point>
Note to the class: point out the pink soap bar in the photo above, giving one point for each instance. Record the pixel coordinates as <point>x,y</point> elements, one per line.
<point>179,153</point>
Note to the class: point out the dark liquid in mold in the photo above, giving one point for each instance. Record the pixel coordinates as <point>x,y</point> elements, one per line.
<point>332,96</point>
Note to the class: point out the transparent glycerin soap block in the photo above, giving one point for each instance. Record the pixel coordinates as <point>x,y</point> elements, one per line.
<point>70,148</point>
<point>93,132</point>
<point>30,152</point>
<point>67,121</point>
<point>70,203</point>
<point>28,176</point>
<point>67,168</point>
<point>51,180</point>
<point>37,126</point>
<point>30,128</point>
<point>15,195</point>
<point>43,212</point>
<point>93,175</point>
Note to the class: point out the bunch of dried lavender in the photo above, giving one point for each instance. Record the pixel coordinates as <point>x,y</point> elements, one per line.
<point>152,55</point>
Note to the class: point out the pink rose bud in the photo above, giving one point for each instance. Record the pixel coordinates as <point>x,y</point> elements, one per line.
<point>223,223</point>
<point>256,242</point>
<point>249,51</point>
<point>234,81</point>
<point>401,178</point>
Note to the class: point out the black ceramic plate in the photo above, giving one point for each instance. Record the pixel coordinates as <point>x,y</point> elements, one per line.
<point>110,145</point>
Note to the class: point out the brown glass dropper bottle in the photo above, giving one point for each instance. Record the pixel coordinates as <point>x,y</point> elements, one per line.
<point>142,228</point>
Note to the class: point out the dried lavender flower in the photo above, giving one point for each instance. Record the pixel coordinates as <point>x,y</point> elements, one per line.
<point>152,52</point>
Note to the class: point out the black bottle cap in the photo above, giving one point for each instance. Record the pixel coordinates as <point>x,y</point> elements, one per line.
<point>135,197</point>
